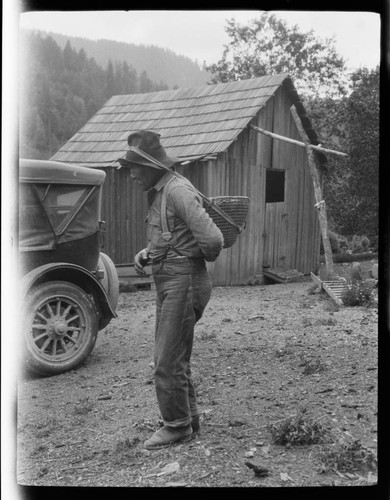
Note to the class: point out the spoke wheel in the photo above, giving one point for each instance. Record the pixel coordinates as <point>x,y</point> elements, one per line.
<point>61,326</point>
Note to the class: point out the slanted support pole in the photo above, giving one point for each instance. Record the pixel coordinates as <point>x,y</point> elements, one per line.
<point>320,203</point>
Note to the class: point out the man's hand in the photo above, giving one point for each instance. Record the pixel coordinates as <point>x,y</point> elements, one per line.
<point>140,261</point>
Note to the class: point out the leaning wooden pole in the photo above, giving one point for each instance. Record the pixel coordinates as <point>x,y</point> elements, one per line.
<point>320,202</point>
<point>294,141</point>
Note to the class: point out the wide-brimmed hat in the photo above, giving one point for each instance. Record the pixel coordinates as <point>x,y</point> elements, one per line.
<point>144,148</point>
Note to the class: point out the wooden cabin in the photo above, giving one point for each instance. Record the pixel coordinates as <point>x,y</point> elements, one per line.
<point>209,129</point>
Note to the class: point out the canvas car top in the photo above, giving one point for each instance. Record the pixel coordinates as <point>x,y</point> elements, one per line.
<point>54,172</point>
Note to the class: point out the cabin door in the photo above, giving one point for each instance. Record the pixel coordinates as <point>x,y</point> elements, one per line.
<point>276,220</point>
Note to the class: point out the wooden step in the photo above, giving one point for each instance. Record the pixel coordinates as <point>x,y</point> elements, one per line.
<point>281,274</point>
<point>126,272</point>
<point>333,287</point>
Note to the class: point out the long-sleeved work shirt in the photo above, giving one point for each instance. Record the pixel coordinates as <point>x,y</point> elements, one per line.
<point>193,232</point>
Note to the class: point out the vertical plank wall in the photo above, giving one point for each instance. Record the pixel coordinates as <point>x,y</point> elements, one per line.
<point>240,171</point>
<point>124,208</point>
<point>297,246</point>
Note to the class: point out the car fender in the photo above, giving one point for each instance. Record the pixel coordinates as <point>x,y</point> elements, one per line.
<point>74,274</point>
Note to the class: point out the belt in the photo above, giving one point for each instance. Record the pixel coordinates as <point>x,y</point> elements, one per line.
<point>178,259</point>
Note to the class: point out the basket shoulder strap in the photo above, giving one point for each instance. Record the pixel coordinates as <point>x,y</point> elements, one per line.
<point>166,234</point>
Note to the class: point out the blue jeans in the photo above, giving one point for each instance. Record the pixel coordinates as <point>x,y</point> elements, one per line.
<point>183,289</point>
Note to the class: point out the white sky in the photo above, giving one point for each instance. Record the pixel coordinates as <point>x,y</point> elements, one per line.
<point>200,34</point>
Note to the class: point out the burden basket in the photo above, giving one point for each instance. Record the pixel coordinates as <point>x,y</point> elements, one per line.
<point>229,213</point>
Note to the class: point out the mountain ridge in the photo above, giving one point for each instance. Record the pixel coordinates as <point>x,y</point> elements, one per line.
<point>160,64</point>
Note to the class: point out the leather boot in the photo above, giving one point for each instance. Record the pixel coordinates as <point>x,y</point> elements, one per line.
<point>167,436</point>
<point>195,423</point>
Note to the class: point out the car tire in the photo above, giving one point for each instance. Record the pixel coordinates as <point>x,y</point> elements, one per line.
<point>110,281</point>
<point>60,327</point>
<point>110,284</point>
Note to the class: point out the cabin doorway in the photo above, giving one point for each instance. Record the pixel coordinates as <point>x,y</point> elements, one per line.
<point>276,219</point>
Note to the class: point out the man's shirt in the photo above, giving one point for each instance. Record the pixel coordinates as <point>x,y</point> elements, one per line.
<point>193,231</point>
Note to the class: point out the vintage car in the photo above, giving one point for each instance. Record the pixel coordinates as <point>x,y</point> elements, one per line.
<point>69,288</point>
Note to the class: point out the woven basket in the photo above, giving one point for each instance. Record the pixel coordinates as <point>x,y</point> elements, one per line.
<point>236,208</point>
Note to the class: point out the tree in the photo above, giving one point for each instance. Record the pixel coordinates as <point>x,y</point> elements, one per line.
<point>351,125</point>
<point>145,84</point>
<point>363,120</point>
<point>110,80</point>
<point>343,108</point>
<point>267,46</point>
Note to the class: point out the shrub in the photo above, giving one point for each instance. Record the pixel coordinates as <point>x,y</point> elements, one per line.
<point>206,335</point>
<point>298,430</point>
<point>343,244</point>
<point>347,457</point>
<point>355,275</point>
<point>312,365</point>
<point>365,243</point>
<point>360,244</point>
<point>347,257</point>
<point>83,406</point>
<point>339,244</point>
<point>358,293</point>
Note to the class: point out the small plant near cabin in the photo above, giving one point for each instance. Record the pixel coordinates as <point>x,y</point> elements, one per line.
<point>346,457</point>
<point>146,425</point>
<point>326,321</point>
<point>359,244</point>
<point>343,244</point>
<point>126,450</point>
<point>46,427</point>
<point>207,335</point>
<point>83,406</point>
<point>312,365</point>
<point>358,293</point>
<point>355,275</point>
<point>298,430</point>
<point>41,448</point>
<point>313,290</point>
<point>126,444</point>
<point>282,351</point>
<point>331,307</point>
<point>306,322</point>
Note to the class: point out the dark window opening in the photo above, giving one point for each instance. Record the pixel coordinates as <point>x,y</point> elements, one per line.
<point>274,187</point>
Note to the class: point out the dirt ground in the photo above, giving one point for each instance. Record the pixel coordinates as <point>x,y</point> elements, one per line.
<point>251,355</point>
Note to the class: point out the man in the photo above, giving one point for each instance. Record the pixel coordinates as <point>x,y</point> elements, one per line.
<point>181,237</point>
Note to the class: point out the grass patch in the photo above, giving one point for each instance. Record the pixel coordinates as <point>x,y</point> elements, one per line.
<point>126,444</point>
<point>298,430</point>
<point>45,428</point>
<point>306,321</point>
<point>207,335</point>
<point>326,321</point>
<point>83,406</point>
<point>38,450</point>
<point>282,352</point>
<point>347,457</point>
<point>313,289</point>
<point>126,451</point>
<point>312,364</point>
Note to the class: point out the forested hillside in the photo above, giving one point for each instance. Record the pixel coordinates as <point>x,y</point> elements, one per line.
<point>62,87</point>
<point>161,65</point>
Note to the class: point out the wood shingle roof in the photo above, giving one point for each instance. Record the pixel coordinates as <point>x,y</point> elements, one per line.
<point>193,122</point>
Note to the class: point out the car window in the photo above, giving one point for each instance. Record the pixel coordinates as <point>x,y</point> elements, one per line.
<point>59,201</point>
<point>34,227</point>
